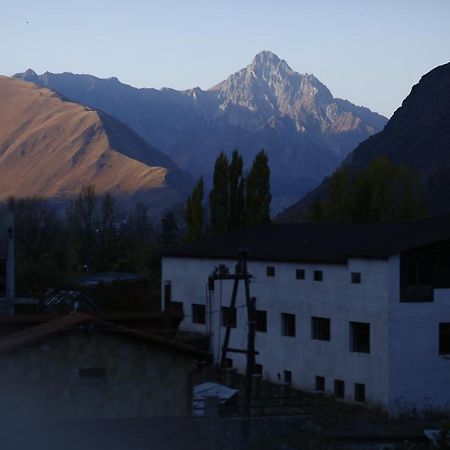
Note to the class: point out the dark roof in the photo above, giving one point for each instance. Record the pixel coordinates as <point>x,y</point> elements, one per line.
<point>95,279</point>
<point>326,243</point>
<point>56,326</point>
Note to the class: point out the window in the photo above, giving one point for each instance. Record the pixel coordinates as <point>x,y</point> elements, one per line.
<point>356,277</point>
<point>339,388</point>
<point>228,316</point>
<point>360,392</point>
<point>176,306</point>
<point>360,337</point>
<point>198,314</point>
<point>300,274</point>
<point>318,275</point>
<point>444,338</point>
<point>258,369</point>
<point>270,271</point>
<point>287,376</point>
<point>320,327</point>
<point>417,276</point>
<point>228,363</point>
<point>288,324</point>
<point>320,384</point>
<point>92,374</point>
<point>261,321</point>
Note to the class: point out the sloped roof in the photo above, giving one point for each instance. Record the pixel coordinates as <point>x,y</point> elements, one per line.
<point>56,326</point>
<point>320,242</point>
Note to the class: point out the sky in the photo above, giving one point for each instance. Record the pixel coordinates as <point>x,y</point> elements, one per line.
<point>368,52</point>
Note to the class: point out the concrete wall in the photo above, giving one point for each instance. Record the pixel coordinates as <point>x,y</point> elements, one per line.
<point>335,298</point>
<point>418,376</point>
<point>42,380</point>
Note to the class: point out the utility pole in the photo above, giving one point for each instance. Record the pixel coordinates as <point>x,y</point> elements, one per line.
<point>240,274</point>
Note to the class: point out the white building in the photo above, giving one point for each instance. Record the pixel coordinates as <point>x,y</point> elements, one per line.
<point>358,311</point>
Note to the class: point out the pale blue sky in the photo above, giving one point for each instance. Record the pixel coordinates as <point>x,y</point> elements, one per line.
<point>369,52</point>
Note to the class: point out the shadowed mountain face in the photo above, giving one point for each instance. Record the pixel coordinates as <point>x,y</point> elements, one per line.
<point>305,131</point>
<point>52,148</point>
<point>418,134</point>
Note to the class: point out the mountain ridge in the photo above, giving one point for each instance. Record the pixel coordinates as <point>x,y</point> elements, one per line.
<point>418,134</point>
<point>294,117</point>
<point>51,147</point>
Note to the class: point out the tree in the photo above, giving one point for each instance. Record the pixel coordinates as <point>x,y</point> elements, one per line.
<point>258,195</point>
<point>381,192</point>
<point>218,198</point>
<point>169,230</point>
<point>236,192</point>
<point>39,244</point>
<point>107,233</point>
<point>194,213</point>
<point>82,217</point>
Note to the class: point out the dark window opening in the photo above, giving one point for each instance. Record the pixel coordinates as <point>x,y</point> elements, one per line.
<point>176,306</point>
<point>288,324</point>
<point>320,384</point>
<point>261,321</point>
<point>318,275</point>
<point>258,369</point>
<point>228,317</point>
<point>360,392</point>
<point>356,278</point>
<point>416,277</point>
<point>360,337</point>
<point>444,338</point>
<point>92,374</point>
<point>320,328</point>
<point>287,376</point>
<point>300,274</point>
<point>270,271</point>
<point>228,363</point>
<point>198,314</point>
<point>339,388</point>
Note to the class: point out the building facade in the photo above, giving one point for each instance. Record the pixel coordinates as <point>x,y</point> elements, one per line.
<point>7,282</point>
<point>364,322</point>
<point>79,367</point>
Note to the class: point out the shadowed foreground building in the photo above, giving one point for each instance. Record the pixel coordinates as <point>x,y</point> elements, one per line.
<point>7,293</point>
<point>81,367</point>
<point>358,311</point>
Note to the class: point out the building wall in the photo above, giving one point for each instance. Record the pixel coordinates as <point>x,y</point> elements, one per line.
<point>43,380</point>
<point>335,297</point>
<point>419,377</point>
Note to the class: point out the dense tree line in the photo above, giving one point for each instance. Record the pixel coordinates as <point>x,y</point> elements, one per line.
<point>92,235</point>
<point>381,192</point>
<point>236,199</point>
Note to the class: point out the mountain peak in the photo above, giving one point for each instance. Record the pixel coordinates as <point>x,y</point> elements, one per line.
<point>267,60</point>
<point>266,57</point>
<point>28,75</point>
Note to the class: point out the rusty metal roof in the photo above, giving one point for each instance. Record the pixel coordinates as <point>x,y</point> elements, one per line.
<point>61,324</point>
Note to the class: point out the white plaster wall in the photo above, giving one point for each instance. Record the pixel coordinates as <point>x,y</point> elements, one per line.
<point>335,298</point>
<point>418,376</point>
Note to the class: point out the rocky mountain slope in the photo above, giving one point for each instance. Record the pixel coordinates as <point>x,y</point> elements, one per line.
<point>418,134</point>
<point>305,130</point>
<point>51,148</point>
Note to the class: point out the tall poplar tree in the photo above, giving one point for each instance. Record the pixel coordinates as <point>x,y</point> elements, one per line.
<point>236,193</point>
<point>218,198</point>
<point>257,187</point>
<point>194,213</point>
